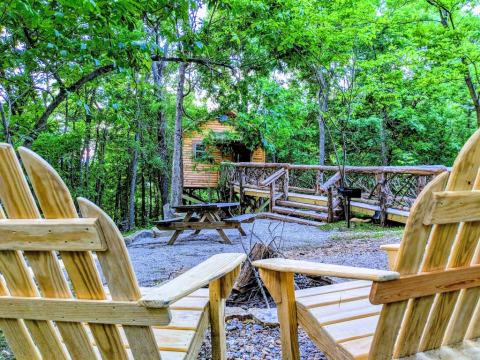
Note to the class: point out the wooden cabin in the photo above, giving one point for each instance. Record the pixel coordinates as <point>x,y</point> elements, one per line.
<point>199,172</point>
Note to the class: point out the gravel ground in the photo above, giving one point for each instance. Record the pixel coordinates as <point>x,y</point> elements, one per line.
<point>154,262</point>
<point>247,340</point>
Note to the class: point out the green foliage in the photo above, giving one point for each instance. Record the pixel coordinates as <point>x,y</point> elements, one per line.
<point>395,74</point>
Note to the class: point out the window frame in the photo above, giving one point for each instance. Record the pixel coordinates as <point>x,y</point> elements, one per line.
<point>196,151</point>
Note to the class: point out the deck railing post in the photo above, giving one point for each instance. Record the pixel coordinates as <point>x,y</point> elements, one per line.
<point>421,182</point>
<point>318,182</point>
<point>383,198</point>
<point>330,215</point>
<point>272,196</point>
<point>241,189</point>
<point>286,180</point>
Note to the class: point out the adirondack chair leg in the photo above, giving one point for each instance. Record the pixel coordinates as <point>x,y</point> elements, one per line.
<point>219,291</point>
<point>281,287</point>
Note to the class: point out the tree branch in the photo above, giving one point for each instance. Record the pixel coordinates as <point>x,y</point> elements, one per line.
<point>41,122</point>
<point>200,61</point>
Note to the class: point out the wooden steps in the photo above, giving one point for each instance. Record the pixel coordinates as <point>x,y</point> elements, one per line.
<point>300,205</point>
<point>300,213</point>
<point>294,204</point>
<point>285,218</point>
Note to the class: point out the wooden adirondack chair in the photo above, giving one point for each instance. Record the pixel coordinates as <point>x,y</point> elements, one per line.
<point>50,313</point>
<point>427,308</point>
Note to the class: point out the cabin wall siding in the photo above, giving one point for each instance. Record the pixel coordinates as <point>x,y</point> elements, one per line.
<point>258,155</point>
<point>201,175</point>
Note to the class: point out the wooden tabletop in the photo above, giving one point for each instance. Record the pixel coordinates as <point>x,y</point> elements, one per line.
<point>206,206</point>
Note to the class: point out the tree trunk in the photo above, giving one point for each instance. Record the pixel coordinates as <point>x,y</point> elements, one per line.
<point>473,95</point>
<point>133,184</point>
<point>383,139</point>
<point>144,205</point>
<point>322,98</point>
<point>177,163</point>
<point>101,164</point>
<point>6,126</point>
<point>158,70</point>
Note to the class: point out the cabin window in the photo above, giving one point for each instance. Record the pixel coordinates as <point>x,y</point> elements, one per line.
<point>199,151</point>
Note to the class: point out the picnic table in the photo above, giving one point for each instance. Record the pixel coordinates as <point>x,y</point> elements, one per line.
<point>209,218</point>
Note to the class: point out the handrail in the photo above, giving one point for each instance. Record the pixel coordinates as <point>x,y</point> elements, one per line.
<point>276,175</point>
<point>330,182</point>
<point>414,170</point>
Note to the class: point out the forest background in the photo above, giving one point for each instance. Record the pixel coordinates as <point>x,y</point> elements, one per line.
<point>104,90</point>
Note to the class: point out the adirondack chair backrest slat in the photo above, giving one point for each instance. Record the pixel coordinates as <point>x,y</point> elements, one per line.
<point>115,262</point>
<point>73,338</point>
<point>415,325</point>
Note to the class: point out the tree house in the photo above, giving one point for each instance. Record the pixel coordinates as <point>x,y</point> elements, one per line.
<point>202,156</point>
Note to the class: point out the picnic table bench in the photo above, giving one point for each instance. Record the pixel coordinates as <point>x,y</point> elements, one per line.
<point>210,218</point>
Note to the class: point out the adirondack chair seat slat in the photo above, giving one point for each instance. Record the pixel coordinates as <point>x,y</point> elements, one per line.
<point>53,304</point>
<point>332,298</point>
<point>350,321</point>
<point>427,308</point>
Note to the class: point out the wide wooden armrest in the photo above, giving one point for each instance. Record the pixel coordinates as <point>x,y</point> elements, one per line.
<point>197,277</point>
<point>312,268</point>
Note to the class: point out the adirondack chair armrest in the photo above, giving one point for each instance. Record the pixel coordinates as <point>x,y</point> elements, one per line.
<point>214,268</point>
<point>312,268</point>
<point>392,251</point>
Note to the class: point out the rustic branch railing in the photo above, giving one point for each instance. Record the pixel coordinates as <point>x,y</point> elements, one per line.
<point>386,187</point>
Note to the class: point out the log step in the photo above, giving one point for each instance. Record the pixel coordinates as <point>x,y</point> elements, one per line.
<point>291,219</point>
<point>300,213</point>
<point>299,205</point>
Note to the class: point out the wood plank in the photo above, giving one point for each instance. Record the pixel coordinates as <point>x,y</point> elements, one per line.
<point>56,203</point>
<point>312,268</point>
<point>353,329</point>
<point>121,279</point>
<point>409,258</point>
<point>19,203</point>
<point>319,336</point>
<point>464,247</point>
<point>293,204</point>
<point>190,303</point>
<point>425,284</point>
<point>300,213</point>
<point>275,176</point>
<point>392,252</point>
<point>344,311</point>
<point>15,331</point>
<point>347,285</point>
<point>197,225</point>
<point>281,288</point>
<point>201,275</point>
<point>358,348</point>
<point>197,340</point>
<point>85,311</point>
<point>453,207</point>
<point>183,320</point>
<point>290,219</point>
<point>334,298</point>
<point>49,235</point>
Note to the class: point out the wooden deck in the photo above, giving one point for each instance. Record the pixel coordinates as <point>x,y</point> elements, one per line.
<point>396,215</point>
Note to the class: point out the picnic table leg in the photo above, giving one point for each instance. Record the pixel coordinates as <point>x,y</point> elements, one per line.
<point>241,230</point>
<point>202,219</point>
<point>174,237</point>
<point>214,217</point>
<point>177,233</point>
